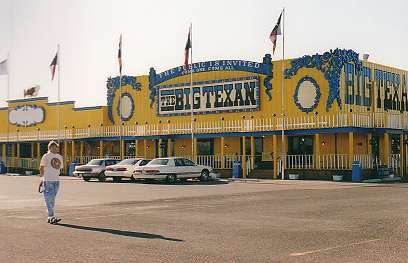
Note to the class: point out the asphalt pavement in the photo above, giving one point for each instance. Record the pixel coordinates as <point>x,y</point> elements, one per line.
<point>265,221</point>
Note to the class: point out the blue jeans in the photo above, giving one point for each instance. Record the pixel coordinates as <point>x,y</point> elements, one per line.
<point>50,192</point>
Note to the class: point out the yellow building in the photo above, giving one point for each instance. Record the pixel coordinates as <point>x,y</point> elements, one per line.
<point>337,109</point>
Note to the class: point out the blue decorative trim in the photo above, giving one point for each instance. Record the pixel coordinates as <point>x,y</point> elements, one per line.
<point>132,103</point>
<point>209,82</point>
<point>112,84</point>
<point>330,64</point>
<point>60,103</point>
<point>264,68</point>
<point>27,100</point>
<point>88,108</point>
<point>316,99</point>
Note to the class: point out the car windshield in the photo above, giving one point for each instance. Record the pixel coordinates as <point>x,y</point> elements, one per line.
<point>95,162</point>
<point>159,162</point>
<point>129,162</point>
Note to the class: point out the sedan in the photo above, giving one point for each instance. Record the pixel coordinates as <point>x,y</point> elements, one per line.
<point>124,169</point>
<point>173,168</point>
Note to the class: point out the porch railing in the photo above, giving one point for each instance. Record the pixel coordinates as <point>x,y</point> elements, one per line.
<point>365,120</point>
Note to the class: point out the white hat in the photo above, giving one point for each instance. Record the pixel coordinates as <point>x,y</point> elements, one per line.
<point>53,143</point>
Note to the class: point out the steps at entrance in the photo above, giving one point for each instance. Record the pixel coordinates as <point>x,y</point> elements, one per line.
<point>261,174</point>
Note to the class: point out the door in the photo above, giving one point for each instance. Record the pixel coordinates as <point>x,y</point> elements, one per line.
<point>180,168</point>
<point>191,168</point>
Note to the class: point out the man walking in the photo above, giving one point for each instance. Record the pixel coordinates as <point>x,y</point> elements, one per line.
<point>50,167</point>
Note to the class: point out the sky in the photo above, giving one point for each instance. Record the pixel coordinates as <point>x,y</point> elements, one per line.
<point>155,32</point>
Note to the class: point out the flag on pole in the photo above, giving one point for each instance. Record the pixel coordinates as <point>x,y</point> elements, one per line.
<point>4,67</point>
<point>275,32</point>
<point>53,66</point>
<point>187,48</point>
<point>120,54</point>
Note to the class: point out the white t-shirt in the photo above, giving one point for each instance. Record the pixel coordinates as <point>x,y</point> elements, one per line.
<point>52,163</point>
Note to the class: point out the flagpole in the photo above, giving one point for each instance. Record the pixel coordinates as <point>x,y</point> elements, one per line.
<point>191,94</point>
<point>120,99</point>
<point>59,92</point>
<point>8,104</point>
<point>283,97</point>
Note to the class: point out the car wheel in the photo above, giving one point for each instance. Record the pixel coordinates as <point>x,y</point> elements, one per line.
<point>86,178</point>
<point>171,178</point>
<point>205,176</point>
<point>117,179</point>
<point>102,177</point>
<point>132,179</point>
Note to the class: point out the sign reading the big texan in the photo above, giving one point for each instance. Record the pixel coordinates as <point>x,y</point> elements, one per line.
<point>227,95</point>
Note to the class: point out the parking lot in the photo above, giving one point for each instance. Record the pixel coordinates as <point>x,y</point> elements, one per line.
<point>264,221</point>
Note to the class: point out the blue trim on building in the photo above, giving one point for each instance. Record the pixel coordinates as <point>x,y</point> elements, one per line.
<point>27,100</point>
<point>88,108</point>
<point>60,103</point>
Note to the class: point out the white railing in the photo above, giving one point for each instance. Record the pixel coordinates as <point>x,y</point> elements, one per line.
<point>300,161</point>
<point>366,120</point>
<point>334,161</point>
<point>394,162</point>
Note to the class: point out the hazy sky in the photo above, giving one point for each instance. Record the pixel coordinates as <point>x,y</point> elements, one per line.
<point>154,34</point>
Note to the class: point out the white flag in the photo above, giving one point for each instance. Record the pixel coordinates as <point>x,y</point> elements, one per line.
<point>3,67</point>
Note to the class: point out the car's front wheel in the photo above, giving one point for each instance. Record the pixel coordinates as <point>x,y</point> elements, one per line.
<point>102,177</point>
<point>205,176</point>
<point>86,178</point>
<point>171,178</point>
<point>117,179</point>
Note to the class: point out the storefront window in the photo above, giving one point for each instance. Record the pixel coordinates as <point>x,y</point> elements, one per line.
<point>300,145</point>
<point>205,146</point>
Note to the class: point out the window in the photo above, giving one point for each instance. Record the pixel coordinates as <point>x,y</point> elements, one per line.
<point>129,162</point>
<point>159,162</point>
<point>95,162</point>
<point>205,146</point>
<point>300,145</point>
<point>143,162</point>
<point>179,162</point>
<point>187,162</point>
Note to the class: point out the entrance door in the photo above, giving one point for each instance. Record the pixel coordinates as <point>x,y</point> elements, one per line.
<point>300,145</point>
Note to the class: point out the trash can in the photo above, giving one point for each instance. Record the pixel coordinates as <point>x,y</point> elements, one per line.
<point>236,169</point>
<point>356,175</point>
<point>71,168</point>
<point>3,168</point>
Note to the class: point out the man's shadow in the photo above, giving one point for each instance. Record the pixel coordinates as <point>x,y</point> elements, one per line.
<point>121,232</point>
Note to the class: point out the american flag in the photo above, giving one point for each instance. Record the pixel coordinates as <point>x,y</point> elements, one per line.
<point>120,54</point>
<point>187,48</point>
<point>275,32</point>
<point>53,66</point>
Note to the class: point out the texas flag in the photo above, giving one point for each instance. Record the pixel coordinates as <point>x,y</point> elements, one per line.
<point>53,66</point>
<point>187,48</point>
<point>120,55</point>
<point>275,32</point>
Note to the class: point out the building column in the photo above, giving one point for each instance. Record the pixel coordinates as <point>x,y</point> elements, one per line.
<point>351,148</point>
<point>81,151</point>
<point>159,148</point>
<point>275,156</point>
<point>145,149</point>
<point>386,148</point>
<point>244,166</point>
<point>32,150</point>
<point>4,152</point>
<point>122,149</point>
<point>317,150</point>
<point>402,155</point>
<point>65,157</point>
<point>101,150</point>
<point>369,146</point>
<point>136,148</point>
<point>18,150</point>
<point>38,151</point>
<point>72,151</point>
<point>169,147</point>
<point>222,152</point>
<point>195,150</point>
<point>252,152</point>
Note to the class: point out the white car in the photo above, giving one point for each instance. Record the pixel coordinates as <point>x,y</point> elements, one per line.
<point>173,168</point>
<point>124,169</point>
